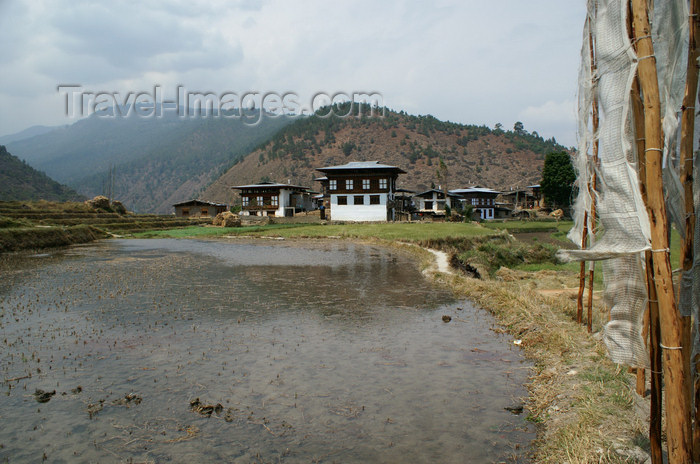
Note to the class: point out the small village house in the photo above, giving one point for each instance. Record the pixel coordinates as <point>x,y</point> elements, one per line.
<point>482,199</point>
<point>519,198</point>
<point>198,209</point>
<point>432,202</point>
<point>273,199</point>
<point>362,191</point>
<point>537,194</point>
<point>404,207</point>
<point>503,211</point>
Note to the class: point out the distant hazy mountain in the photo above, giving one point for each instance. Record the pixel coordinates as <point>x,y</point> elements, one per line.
<point>26,133</point>
<point>19,181</point>
<point>156,161</point>
<point>160,161</point>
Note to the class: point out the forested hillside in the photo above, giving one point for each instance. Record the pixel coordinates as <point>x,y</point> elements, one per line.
<point>473,155</point>
<point>19,181</point>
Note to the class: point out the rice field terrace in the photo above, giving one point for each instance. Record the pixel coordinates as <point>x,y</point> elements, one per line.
<point>44,224</point>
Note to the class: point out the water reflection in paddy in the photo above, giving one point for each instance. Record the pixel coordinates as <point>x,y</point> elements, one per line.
<point>316,352</point>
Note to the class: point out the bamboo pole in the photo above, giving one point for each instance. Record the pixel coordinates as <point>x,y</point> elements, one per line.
<point>675,373</point>
<point>687,250</point>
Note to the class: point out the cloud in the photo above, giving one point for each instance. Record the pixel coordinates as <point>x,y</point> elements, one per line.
<point>556,117</point>
<point>139,39</point>
<point>472,63</point>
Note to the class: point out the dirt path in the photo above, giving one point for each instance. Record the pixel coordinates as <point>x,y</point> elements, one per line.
<point>442,262</point>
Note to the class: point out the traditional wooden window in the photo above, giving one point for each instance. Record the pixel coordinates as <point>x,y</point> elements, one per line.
<point>260,201</point>
<point>374,199</point>
<point>348,184</point>
<point>185,211</point>
<point>342,200</point>
<point>333,184</point>
<point>359,200</point>
<point>365,184</point>
<point>382,183</point>
<point>204,212</point>
<point>275,200</point>
<point>245,201</point>
<point>428,205</point>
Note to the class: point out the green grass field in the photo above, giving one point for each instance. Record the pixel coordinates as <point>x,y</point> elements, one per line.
<point>414,231</point>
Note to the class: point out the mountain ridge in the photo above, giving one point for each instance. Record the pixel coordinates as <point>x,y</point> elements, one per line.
<point>473,155</point>
<point>29,132</point>
<point>154,161</point>
<point>19,181</point>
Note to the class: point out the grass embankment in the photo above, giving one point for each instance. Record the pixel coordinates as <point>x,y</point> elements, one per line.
<point>486,245</point>
<point>42,224</point>
<point>583,403</point>
<point>28,238</point>
<point>413,231</point>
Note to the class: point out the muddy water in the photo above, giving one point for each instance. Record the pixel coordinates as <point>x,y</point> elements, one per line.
<point>315,352</point>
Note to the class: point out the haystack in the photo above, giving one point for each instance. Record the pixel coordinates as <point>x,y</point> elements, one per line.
<point>227,219</point>
<point>99,202</point>
<point>118,207</point>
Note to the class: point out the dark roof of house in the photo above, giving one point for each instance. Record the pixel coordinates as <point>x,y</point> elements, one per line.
<point>474,190</point>
<point>361,165</point>
<point>449,194</point>
<point>199,203</point>
<point>271,185</point>
<point>525,192</point>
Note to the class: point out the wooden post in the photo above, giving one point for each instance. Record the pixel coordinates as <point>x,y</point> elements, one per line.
<point>652,314</point>
<point>638,112</point>
<point>656,387</point>
<point>687,132</point>
<point>591,271</point>
<point>687,250</point>
<point>582,272</point>
<point>678,431</point>
<point>641,377</point>
<point>593,185</point>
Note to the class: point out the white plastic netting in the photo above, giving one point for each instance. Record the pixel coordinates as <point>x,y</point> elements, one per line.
<point>623,229</point>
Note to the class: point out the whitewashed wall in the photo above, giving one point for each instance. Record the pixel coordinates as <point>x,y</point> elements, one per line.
<point>283,202</point>
<point>359,213</point>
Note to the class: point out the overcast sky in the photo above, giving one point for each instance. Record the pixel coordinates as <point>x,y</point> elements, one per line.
<point>468,61</point>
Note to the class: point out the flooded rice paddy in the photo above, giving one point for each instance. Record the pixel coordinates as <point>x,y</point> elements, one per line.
<point>211,351</point>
